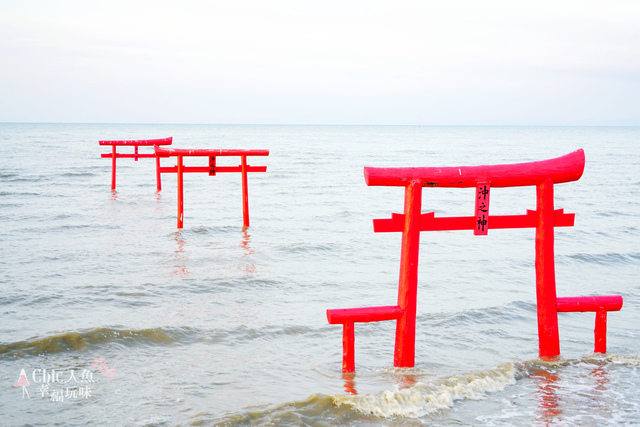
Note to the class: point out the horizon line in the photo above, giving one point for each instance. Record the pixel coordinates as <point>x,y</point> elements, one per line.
<point>305,124</point>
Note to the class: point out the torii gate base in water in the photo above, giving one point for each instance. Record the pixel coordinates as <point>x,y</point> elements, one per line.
<point>543,174</point>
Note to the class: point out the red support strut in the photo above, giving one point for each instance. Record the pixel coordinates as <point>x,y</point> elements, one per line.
<point>601,305</point>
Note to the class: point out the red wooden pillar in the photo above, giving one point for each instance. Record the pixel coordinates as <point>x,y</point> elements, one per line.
<point>180,192</point>
<point>113,167</point>
<point>600,332</point>
<point>158,175</point>
<point>245,193</point>
<point>348,347</point>
<point>549,340</point>
<point>404,353</point>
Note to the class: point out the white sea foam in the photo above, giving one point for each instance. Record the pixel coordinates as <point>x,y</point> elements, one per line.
<point>425,398</point>
<point>619,359</point>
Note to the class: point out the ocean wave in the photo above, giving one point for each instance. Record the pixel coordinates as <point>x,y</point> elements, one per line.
<point>80,174</point>
<point>619,359</point>
<point>21,194</point>
<point>426,398</point>
<point>403,405</point>
<point>305,248</point>
<point>601,360</point>
<point>516,310</point>
<point>83,340</point>
<point>317,410</point>
<point>24,178</point>
<point>87,339</point>
<point>246,334</point>
<point>606,258</point>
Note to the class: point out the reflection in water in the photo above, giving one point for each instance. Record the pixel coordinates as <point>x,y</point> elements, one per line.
<point>246,239</point>
<point>249,267</point>
<point>407,381</point>
<point>349,382</point>
<point>549,401</point>
<point>113,195</point>
<point>602,389</point>
<point>547,396</point>
<point>180,269</point>
<point>404,381</point>
<point>602,378</point>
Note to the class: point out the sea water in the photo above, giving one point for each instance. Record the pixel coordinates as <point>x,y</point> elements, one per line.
<point>116,317</point>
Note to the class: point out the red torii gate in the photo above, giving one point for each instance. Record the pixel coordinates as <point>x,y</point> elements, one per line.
<point>212,169</point>
<point>543,174</point>
<point>134,143</point>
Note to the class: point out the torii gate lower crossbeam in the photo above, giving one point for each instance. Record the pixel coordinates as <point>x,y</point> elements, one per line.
<point>544,219</point>
<point>180,169</point>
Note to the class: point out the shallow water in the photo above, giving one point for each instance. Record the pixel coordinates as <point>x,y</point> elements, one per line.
<point>213,324</point>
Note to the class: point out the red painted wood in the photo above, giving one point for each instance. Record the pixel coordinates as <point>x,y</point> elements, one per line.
<point>548,338</point>
<point>128,156</point>
<point>212,165</point>
<point>113,168</point>
<point>167,152</point>
<point>428,222</point>
<point>600,332</point>
<point>139,142</point>
<point>348,348</point>
<point>158,174</point>
<point>590,303</point>
<point>348,316</point>
<point>180,193</point>
<point>404,352</point>
<point>206,169</point>
<point>481,226</point>
<point>561,169</point>
<point>363,315</point>
<point>245,192</point>
<point>600,304</point>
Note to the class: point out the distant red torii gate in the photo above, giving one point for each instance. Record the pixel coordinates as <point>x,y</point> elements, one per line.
<point>542,174</point>
<point>212,169</point>
<point>136,144</point>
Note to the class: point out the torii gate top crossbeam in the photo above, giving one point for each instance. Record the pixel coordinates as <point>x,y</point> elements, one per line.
<point>167,152</point>
<point>139,142</point>
<point>566,168</point>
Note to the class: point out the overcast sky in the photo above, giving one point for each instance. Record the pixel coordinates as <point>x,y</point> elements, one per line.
<point>321,62</point>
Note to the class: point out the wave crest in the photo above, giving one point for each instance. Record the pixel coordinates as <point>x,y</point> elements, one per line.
<point>426,398</point>
<point>82,340</point>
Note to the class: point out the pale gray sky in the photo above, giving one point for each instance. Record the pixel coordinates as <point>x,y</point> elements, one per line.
<point>321,62</point>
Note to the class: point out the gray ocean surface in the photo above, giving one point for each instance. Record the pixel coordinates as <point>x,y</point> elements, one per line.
<point>116,317</point>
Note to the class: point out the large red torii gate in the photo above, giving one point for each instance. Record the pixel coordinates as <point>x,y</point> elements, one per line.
<point>542,174</point>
